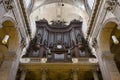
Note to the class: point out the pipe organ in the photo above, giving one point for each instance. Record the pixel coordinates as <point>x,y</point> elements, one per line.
<point>58,41</point>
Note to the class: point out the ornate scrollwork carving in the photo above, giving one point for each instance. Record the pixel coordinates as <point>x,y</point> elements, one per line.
<point>111,4</point>
<point>8,4</point>
<point>59,24</point>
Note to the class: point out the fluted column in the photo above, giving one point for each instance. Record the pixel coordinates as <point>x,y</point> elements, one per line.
<point>23,75</point>
<point>95,75</point>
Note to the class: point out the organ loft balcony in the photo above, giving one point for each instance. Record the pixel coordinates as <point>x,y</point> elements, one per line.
<point>58,43</point>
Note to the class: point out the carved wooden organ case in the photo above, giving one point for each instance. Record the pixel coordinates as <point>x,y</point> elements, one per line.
<point>58,41</point>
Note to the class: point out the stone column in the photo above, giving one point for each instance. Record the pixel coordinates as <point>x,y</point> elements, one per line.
<point>5,69</point>
<point>9,66</point>
<point>75,75</point>
<point>108,67</point>
<point>43,74</point>
<point>95,75</point>
<point>14,66</point>
<point>23,75</point>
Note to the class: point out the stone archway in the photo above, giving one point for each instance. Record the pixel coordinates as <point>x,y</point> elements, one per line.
<point>9,50</point>
<point>115,47</point>
<point>9,29</point>
<point>105,56</point>
<point>105,36</point>
<point>106,42</point>
<point>12,44</point>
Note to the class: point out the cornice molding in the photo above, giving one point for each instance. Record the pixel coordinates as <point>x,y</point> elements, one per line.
<point>92,18</point>
<point>25,18</point>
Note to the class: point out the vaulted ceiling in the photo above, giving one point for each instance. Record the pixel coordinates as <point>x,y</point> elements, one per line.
<point>76,3</point>
<point>64,10</point>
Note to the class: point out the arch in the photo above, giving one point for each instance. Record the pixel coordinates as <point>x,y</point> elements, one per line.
<point>11,19</point>
<point>73,11</point>
<point>8,18</point>
<point>8,28</point>
<point>10,51</point>
<point>105,34</point>
<point>64,2</point>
